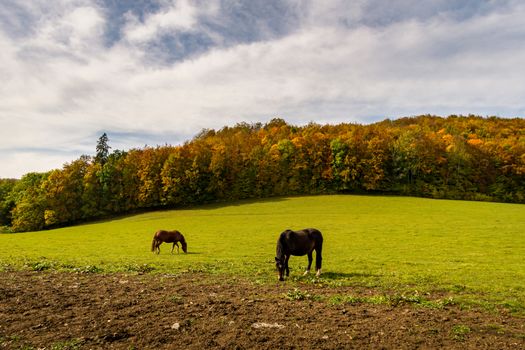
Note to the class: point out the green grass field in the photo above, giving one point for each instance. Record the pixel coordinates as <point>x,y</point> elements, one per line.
<point>474,250</point>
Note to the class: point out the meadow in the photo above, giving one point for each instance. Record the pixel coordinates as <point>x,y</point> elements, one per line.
<point>473,251</point>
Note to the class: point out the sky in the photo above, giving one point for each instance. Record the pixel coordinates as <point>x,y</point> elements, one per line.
<point>156,72</point>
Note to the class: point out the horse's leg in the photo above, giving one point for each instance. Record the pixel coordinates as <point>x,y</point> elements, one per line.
<point>310,259</point>
<point>173,247</point>
<point>157,246</point>
<point>286,258</point>
<point>318,261</point>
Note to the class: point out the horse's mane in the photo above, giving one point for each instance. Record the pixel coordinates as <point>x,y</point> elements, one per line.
<point>281,244</point>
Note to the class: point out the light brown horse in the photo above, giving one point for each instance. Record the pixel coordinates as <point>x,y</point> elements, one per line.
<point>168,237</point>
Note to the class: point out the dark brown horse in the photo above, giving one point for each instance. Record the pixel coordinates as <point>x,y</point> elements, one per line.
<point>299,243</point>
<point>168,237</point>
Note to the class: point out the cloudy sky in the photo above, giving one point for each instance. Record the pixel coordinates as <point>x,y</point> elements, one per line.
<point>156,72</point>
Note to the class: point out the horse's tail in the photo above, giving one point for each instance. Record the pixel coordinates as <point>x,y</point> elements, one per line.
<point>318,238</point>
<point>318,241</point>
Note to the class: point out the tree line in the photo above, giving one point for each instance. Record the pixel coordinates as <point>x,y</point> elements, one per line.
<point>458,157</point>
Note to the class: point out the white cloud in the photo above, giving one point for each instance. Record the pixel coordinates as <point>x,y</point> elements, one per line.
<point>70,30</point>
<point>59,90</point>
<point>181,16</point>
<point>14,165</point>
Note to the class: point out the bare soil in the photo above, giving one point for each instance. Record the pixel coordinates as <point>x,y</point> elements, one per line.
<point>55,310</point>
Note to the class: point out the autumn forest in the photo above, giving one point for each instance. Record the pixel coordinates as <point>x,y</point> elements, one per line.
<point>458,157</point>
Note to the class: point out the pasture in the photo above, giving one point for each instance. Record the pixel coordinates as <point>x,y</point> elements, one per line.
<point>473,251</point>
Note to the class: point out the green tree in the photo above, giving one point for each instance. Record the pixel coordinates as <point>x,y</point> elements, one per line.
<point>116,189</point>
<point>102,149</point>
<point>7,203</point>
<point>28,213</point>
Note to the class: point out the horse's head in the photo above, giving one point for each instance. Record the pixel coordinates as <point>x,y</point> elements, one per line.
<point>279,264</point>
<point>184,246</point>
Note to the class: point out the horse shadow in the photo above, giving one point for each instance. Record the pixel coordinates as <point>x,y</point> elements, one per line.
<point>335,275</point>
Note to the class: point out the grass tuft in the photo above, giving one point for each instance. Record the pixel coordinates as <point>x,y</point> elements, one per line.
<point>460,332</point>
<point>297,295</point>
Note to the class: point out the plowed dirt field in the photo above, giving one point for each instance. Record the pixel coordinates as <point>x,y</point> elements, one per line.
<point>54,310</point>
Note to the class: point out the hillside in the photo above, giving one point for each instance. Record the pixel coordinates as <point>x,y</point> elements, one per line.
<point>457,157</point>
